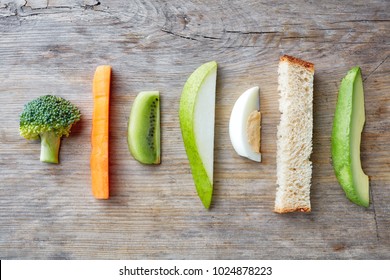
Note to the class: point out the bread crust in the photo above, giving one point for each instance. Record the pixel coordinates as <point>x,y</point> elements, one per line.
<point>294,60</point>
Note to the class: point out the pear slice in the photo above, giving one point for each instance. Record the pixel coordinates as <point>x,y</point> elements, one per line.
<point>346,136</point>
<point>197,114</point>
<point>244,125</point>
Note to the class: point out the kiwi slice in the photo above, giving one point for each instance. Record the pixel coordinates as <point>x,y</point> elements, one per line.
<point>143,134</point>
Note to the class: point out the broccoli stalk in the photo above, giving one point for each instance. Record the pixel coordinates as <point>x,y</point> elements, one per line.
<point>50,147</point>
<point>48,118</point>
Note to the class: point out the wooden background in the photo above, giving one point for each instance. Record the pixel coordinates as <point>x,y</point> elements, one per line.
<point>53,47</point>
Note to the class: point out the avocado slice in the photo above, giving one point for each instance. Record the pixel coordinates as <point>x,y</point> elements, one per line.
<point>348,124</point>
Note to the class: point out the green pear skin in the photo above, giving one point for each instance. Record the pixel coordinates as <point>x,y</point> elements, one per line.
<point>348,124</point>
<point>203,184</point>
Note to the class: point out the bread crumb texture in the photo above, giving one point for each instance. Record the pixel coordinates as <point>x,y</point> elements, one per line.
<point>294,135</point>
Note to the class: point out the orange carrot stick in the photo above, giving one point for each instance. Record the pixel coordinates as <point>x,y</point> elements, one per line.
<point>100,132</point>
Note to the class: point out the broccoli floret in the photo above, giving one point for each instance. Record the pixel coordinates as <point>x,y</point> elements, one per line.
<point>48,118</point>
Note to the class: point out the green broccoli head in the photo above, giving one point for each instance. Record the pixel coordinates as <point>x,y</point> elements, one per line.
<point>48,118</point>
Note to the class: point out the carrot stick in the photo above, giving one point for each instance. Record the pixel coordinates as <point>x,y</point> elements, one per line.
<point>100,132</point>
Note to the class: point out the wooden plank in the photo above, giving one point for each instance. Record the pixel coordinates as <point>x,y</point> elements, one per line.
<point>48,212</point>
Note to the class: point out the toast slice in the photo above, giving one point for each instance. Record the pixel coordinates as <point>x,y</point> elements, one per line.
<point>294,136</point>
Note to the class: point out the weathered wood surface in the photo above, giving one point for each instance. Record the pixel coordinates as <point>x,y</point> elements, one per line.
<point>52,47</point>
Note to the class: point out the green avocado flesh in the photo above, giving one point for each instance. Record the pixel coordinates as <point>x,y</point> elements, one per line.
<point>143,135</point>
<point>346,136</point>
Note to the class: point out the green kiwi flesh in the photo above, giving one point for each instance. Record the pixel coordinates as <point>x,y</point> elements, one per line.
<point>143,134</point>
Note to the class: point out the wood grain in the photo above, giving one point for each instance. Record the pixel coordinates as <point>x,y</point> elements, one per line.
<point>53,47</point>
